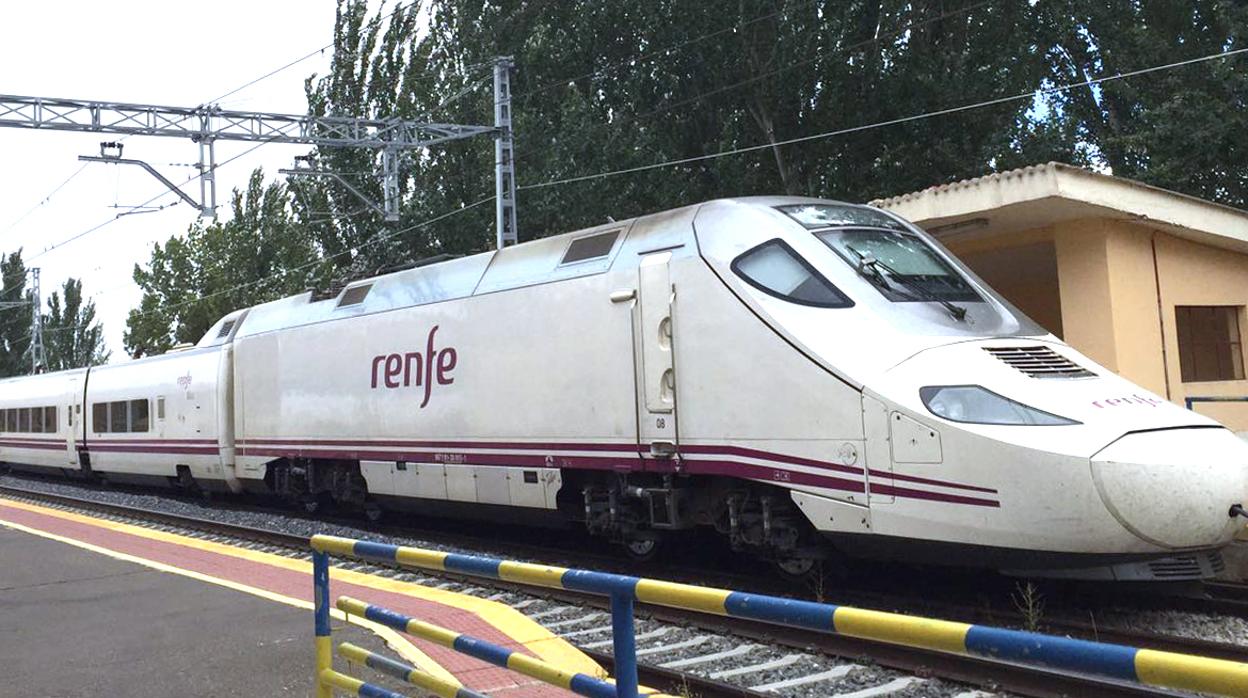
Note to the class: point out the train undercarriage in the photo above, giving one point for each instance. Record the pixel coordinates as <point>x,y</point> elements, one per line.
<point>642,512</point>
<point>313,484</point>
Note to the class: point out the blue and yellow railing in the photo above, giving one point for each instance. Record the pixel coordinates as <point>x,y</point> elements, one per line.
<point>1165,669</point>
<point>328,679</point>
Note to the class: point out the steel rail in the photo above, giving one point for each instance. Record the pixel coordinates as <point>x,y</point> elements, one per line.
<point>1022,679</point>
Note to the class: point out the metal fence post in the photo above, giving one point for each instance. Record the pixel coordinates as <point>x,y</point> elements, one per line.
<point>625,645</point>
<point>320,600</point>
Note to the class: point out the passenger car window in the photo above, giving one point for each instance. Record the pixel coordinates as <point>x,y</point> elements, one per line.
<point>36,420</point>
<point>99,417</point>
<point>138,415</point>
<point>117,416</point>
<point>776,269</point>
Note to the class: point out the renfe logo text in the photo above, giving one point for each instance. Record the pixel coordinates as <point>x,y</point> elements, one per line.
<point>415,368</point>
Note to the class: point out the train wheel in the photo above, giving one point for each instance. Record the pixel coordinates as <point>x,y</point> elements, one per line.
<point>797,569</point>
<point>312,504</point>
<point>373,512</point>
<point>643,549</point>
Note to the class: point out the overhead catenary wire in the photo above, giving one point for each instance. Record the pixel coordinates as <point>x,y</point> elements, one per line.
<point>828,134</point>
<point>1030,95</point>
<point>658,53</point>
<point>272,277</point>
<point>150,201</point>
<point>234,91</point>
<point>472,85</point>
<point>46,198</point>
<point>230,93</point>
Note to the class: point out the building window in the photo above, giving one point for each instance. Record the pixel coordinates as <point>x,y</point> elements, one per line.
<point>1209,342</point>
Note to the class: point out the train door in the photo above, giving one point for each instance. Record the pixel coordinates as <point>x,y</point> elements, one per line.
<point>654,359</point>
<point>878,456</point>
<point>71,419</point>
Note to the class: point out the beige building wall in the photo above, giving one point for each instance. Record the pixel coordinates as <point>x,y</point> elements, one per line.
<point>1195,274</point>
<point>1101,262</point>
<point>1023,268</point>
<point>1113,296</point>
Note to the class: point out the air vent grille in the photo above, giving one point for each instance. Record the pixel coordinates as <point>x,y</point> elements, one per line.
<point>1188,566</point>
<point>590,247</point>
<point>355,295</point>
<point>1040,362</point>
<point>225,329</point>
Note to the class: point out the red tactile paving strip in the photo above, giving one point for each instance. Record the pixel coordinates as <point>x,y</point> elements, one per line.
<point>298,584</point>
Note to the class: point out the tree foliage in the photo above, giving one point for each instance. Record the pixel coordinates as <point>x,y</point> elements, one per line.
<point>609,86</point>
<point>259,254</point>
<point>619,86</point>
<point>1182,128</point>
<point>14,319</point>
<point>72,337</point>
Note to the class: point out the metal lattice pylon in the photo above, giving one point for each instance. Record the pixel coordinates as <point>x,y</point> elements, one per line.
<point>38,355</point>
<point>504,159</point>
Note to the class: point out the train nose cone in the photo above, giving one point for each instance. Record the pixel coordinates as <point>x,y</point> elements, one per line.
<point>1174,488</point>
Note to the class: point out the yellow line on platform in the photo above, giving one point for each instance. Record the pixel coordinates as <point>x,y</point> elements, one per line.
<point>512,623</point>
<point>393,640</point>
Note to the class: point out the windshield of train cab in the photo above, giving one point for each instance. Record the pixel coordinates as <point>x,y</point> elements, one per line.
<point>899,264</point>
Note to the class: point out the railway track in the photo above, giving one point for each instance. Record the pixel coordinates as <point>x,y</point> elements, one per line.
<point>1218,598</point>
<point>1231,597</point>
<point>688,653</point>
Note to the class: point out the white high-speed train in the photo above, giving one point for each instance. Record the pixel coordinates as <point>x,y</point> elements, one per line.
<point>799,374</point>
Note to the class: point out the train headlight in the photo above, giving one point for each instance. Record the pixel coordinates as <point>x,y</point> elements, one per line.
<point>974,404</point>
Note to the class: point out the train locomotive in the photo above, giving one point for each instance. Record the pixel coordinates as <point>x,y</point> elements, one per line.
<point>804,377</point>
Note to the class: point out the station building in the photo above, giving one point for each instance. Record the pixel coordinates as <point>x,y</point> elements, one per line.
<point>1148,282</point>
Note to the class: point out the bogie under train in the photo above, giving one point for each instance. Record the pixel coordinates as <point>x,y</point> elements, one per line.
<point>799,375</point>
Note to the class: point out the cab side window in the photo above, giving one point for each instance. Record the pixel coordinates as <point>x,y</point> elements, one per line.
<point>776,269</point>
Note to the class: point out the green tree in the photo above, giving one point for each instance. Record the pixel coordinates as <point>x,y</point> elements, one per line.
<point>1181,129</point>
<point>72,337</point>
<point>259,254</point>
<point>597,89</point>
<point>614,86</point>
<point>14,316</point>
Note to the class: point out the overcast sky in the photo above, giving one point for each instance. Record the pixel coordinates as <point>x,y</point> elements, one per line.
<point>172,53</point>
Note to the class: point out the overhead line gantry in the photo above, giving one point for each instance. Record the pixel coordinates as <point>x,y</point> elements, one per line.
<point>207,124</point>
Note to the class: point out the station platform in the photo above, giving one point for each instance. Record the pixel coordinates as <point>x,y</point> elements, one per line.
<point>90,607</point>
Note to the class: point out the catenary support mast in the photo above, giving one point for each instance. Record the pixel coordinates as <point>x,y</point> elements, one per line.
<point>207,124</point>
<point>504,162</point>
<point>38,356</point>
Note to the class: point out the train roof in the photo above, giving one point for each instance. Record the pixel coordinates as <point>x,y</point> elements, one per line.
<point>555,258</point>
